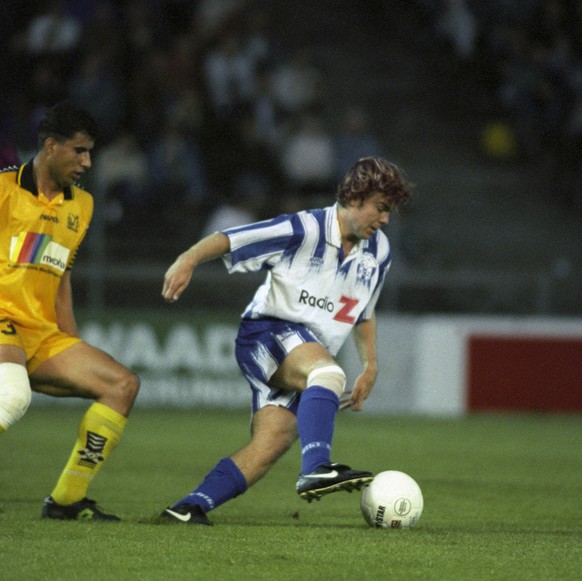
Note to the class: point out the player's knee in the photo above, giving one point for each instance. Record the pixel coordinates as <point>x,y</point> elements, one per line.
<point>331,377</point>
<point>15,393</point>
<point>129,386</point>
<point>123,387</point>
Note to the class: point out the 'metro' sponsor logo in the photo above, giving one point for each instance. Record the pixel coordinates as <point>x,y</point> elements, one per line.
<point>322,303</point>
<point>40,249</point>
<point>53,261</point>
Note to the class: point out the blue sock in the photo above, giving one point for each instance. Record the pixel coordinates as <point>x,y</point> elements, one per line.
<point>315,422</point>
<point>223,482</point>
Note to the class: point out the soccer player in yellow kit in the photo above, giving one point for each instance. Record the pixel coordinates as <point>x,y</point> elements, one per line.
<point>44,217</point>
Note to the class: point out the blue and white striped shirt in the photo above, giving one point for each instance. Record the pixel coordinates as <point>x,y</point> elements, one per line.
<point>309,280</point>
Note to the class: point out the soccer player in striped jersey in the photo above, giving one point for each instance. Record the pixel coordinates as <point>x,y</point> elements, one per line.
<point>324,272</point>
<point>44,217</point>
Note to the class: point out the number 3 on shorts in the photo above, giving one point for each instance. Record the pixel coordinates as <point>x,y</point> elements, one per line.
<point>6,327</point>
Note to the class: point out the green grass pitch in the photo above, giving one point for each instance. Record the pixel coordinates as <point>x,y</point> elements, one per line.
<point>503,500</point>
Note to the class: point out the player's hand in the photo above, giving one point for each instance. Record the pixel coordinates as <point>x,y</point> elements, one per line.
<point>355,397</point>
<point>177,279</point>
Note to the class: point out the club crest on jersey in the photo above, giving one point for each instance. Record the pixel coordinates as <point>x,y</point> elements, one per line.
<point>315,263</point>
<point>366,269</point>
<point>73,222</point>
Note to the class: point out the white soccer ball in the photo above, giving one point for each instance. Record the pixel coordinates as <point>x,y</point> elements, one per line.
<point>393,500</point>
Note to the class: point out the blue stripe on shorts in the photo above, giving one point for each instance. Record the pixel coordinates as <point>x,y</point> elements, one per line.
<point>261,346</point>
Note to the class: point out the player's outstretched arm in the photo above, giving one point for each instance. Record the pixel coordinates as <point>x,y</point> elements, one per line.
<point>178,276</point>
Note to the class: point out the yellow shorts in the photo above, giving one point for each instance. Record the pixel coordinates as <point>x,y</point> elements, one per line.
<point>38,344</point>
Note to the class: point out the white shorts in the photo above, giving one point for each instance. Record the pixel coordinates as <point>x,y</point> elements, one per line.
<point>261,346</point>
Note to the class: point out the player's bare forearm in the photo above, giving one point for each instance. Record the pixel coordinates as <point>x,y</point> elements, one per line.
<point>365,339</point>
<point>179,274</point>
<point>64,306</point>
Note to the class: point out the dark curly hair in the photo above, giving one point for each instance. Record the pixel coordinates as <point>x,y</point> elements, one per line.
<point>63,120</point>
<point>371,175</point>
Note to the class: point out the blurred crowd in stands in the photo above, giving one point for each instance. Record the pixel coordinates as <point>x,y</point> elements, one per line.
<point>520,63</point>
<point>203,117</point>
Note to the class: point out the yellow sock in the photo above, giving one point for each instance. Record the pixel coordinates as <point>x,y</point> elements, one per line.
<point>99,433</point>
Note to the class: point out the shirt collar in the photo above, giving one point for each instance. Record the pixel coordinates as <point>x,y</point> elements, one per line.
<point>25,179</point>
<point>333,233</point>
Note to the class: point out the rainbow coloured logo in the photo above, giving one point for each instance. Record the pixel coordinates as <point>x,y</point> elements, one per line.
<point>36,248</point>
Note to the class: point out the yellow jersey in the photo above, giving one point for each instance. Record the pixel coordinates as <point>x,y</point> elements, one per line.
<point>39,239</point>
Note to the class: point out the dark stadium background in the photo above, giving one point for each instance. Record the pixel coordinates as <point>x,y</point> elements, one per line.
<point>480,102</point>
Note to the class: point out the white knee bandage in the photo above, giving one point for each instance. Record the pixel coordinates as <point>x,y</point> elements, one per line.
<point>15,393</point>
<point>331,376</point>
